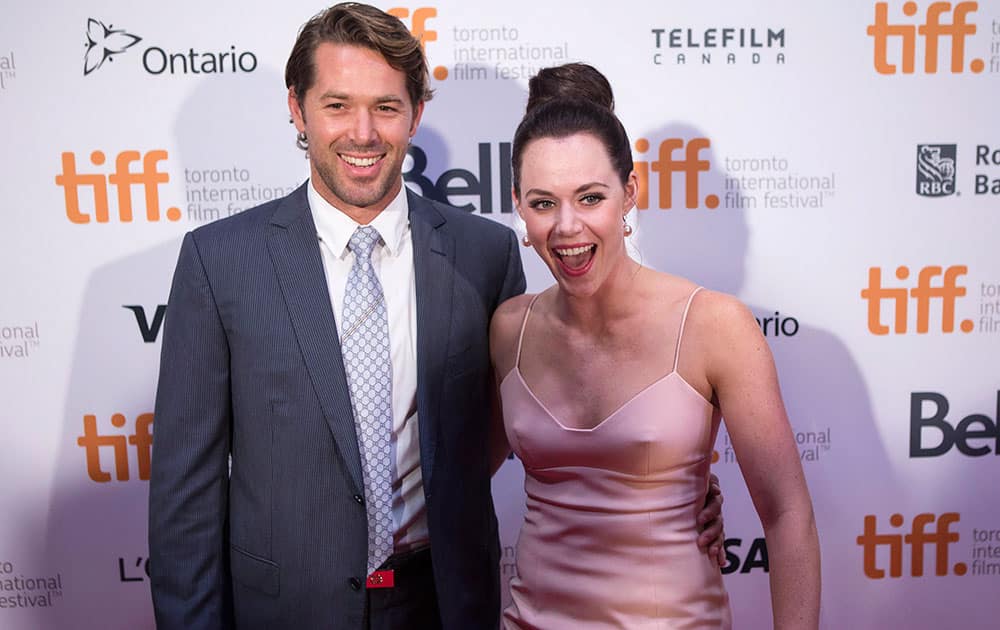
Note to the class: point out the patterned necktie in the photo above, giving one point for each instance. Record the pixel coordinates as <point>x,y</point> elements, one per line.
<point>364,344</point>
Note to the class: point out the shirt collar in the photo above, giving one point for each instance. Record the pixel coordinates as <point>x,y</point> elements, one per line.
<point>335,228</point>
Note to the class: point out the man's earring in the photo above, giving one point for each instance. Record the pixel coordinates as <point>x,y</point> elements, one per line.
<point>526,241</point>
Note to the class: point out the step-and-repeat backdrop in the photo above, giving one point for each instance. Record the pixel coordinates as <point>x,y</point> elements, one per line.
<point>835,165</point>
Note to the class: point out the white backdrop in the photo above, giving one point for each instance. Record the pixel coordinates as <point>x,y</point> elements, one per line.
<point>778,142</point>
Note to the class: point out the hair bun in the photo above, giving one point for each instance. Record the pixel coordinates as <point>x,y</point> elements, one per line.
<point>573,82</point>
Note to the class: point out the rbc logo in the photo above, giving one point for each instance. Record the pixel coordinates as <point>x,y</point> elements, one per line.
<point>936,169</point>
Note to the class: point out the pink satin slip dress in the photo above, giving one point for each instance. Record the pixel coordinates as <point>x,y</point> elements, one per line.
<point>609,537</point>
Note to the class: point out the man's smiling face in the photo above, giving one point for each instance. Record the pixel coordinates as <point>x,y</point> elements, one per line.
<point>358,120</point>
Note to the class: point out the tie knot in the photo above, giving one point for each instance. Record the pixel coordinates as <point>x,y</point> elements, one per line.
<point>363,241</point>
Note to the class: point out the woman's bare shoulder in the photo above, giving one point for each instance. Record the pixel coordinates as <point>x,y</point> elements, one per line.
<point>720,309</point>
<point>504,330</point>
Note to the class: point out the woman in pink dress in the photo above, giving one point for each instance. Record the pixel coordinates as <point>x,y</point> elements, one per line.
<point>613,383</point>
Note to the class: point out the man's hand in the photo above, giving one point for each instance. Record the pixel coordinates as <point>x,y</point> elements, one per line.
<point>710,522</point>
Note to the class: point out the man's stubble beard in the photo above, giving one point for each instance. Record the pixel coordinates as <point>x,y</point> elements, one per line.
<point>363,195</point>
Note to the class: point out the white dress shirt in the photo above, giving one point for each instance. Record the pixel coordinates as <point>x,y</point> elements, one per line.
<point>393,263</point>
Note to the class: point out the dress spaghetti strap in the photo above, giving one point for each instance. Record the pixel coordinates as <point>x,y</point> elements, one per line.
<point>680,333</point>
<point>524,324</point>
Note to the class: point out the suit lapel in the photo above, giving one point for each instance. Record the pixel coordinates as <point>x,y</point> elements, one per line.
<point>434,273</point>
<point>294,249</point>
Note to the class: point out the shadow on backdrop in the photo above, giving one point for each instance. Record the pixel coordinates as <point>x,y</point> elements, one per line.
<point>484,115</point>
<point>823,390</point>
<point>96,531</point>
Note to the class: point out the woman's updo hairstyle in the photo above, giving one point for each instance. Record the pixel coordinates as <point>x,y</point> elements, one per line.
<point>569,99</point>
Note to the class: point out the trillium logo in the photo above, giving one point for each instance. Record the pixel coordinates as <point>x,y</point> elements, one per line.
<point>103,43</point>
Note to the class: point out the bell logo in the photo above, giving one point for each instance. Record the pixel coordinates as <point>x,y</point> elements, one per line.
<point>948,292</point>
<point>418,28</point>
<point>918,537</point>
<point>463,183</point>
<point>665,165</point>
<point>123,178</point>
<point>977,426</point>
<point>92,442</point>
<point>932,30</point>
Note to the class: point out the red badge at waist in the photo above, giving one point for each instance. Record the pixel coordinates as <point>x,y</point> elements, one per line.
<point>381,579</point>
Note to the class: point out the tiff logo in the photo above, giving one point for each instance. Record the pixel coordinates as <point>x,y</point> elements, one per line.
<point>418,28</point>
<point>948,292</point>
<point>918,537</point>
<point>123,179</point>
<point>92,442</point>
<point>936,169</point>
<point>149,330</point>
<point>932,30</point>
<point>665,165</point>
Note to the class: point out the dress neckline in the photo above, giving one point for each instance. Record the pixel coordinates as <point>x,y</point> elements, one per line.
<point>618,410</point>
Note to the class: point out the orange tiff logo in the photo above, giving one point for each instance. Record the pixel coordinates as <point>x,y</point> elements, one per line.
<point>932,30</point>
<point>917,539</point>
<point>665,165</point>
<point>149,177</point>
<point>948,292</point>
<point>92,442</point>
<point>418,28</point>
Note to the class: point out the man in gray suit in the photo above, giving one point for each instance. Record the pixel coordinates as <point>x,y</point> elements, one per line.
<point>265,505</point>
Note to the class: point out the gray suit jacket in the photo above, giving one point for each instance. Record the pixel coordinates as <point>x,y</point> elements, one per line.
<point>251,369</point>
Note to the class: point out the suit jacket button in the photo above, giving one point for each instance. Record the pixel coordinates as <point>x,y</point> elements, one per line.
<point>360,499</point>
<point>355,583</point>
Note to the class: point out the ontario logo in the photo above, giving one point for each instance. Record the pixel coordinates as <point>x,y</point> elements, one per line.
<point>936,169</point>
<point>105,43</point>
